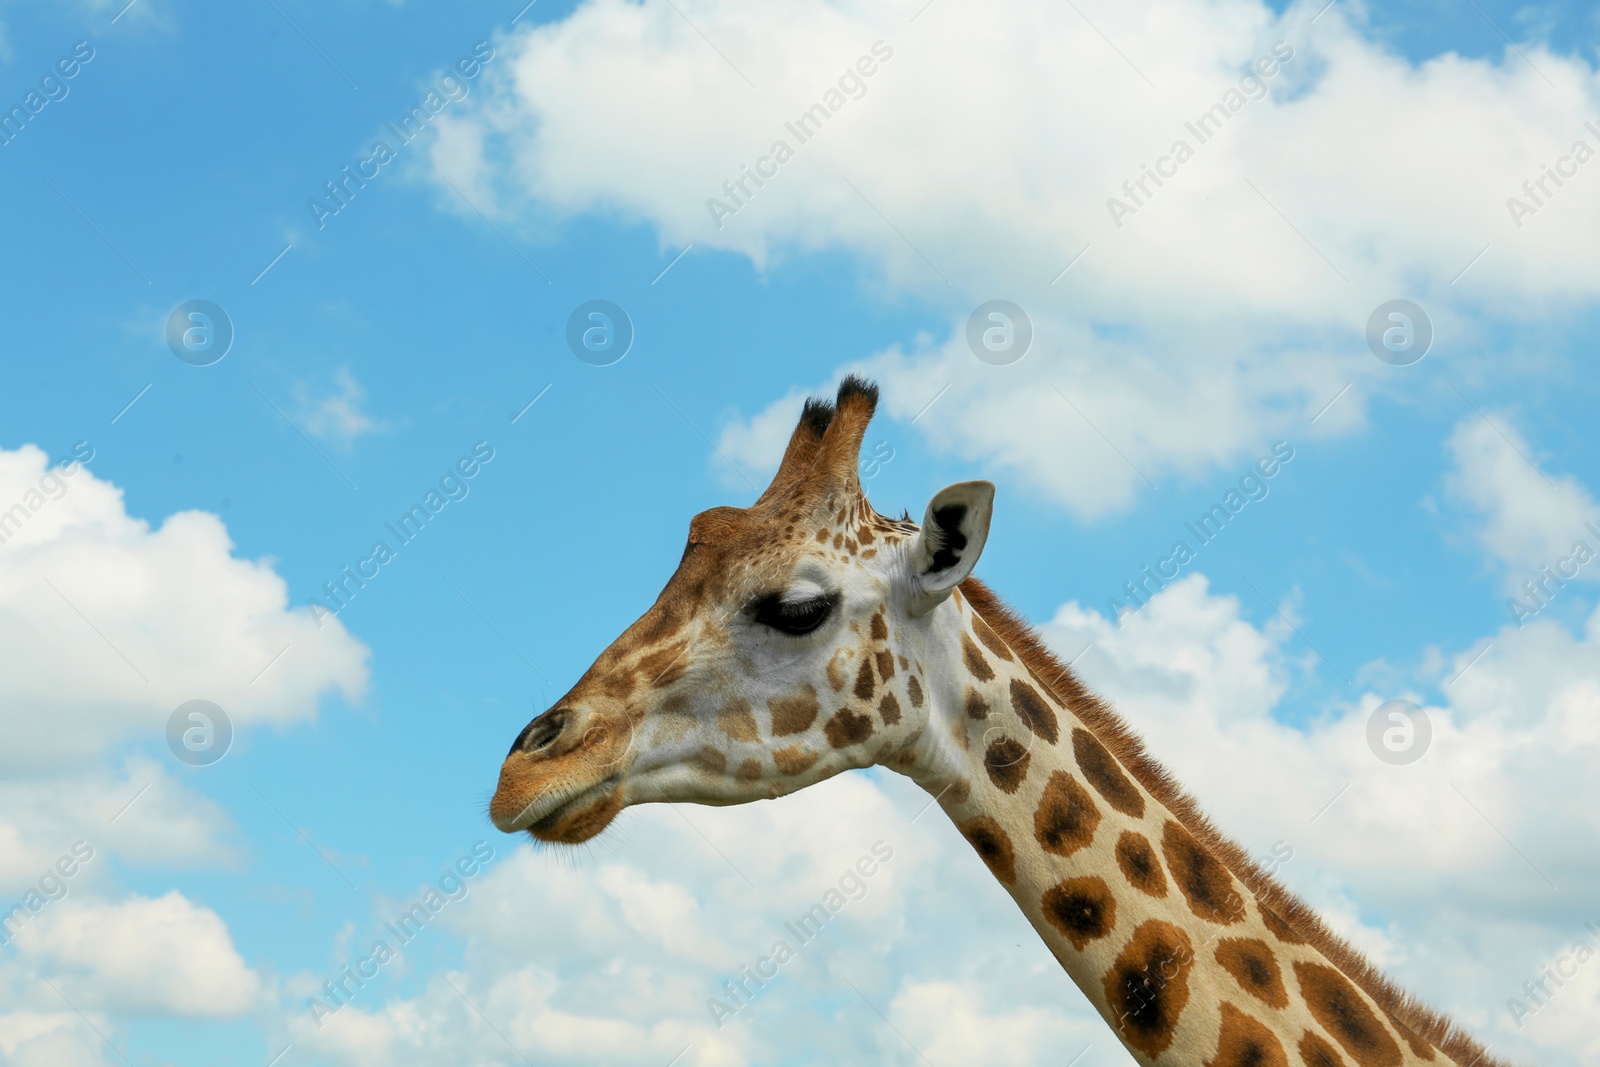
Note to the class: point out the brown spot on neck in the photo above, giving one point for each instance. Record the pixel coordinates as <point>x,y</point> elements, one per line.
<point>990,639</point>
<point>1280,929</point>
<point>977,666</point>
<point>1204,883</point>
<point>1317,1052</point>
<point>1347,1017</point>
<point>977,707</point>
<point>1419,1048</point>
<point>914,691</point>
<point>1103,772</point>
<point>1032,709</point>
<point>1006,760</point>
<point>1245,1042</point>
<point>889,709</point>
<point>1081,910</point>
<point>1147,987</point>
<point>1254,967</point>
<point>1139,864</point>
<point>1066,818</point>
<point>992,846</point>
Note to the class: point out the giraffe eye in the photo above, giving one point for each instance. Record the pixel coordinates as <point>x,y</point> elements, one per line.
<point>793,616</point>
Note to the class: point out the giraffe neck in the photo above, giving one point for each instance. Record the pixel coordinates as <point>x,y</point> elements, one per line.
<point>1182,960</point>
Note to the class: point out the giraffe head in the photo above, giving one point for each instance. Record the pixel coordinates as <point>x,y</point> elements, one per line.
<point>788,646</point>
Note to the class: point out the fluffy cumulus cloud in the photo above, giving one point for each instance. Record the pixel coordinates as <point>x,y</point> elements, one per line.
<point>107,624</point>
<point>619,956</point>
<point>49,1039</point>
<point>1223,301</point>
<point>138,812</point>
<point>950,1022</point>
<point>1542,529</point>
<point>80,967</point>
<point>166,956</point>
<point>944,137</point>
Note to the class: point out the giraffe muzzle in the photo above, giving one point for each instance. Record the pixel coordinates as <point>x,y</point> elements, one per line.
<point>566,761</point>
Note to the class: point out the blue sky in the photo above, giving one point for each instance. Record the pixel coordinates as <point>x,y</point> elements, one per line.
<point>373,352</point>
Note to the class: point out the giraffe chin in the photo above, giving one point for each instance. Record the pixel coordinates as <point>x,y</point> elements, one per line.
<point>584,817</point>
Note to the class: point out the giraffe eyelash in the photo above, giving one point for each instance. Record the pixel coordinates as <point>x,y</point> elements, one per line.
<point>793,617</point>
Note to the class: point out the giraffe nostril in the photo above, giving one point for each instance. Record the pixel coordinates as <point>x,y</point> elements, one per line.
<point>540,732</point>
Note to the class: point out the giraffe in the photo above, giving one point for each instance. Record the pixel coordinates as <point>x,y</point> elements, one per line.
<point>808,635</point>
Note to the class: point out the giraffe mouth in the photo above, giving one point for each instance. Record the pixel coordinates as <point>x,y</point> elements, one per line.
<point>573,818</point>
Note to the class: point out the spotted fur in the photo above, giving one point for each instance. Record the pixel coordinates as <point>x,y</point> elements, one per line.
<point>1255,967</point>
<point>1066,818</point>
<point>1137,860</point>
<point>1081,909</point>
<point>1147,986</point>
<point>1244,1042</point>
<point>993,845</point>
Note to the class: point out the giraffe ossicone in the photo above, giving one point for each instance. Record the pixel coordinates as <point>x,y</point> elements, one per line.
<point>807,635</point>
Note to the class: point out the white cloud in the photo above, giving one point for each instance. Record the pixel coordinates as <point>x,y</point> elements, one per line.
<point>166,956</point>
<point>950,1022</point>
<point>20,861</point>
<point>624,107</point>
<point>1566,1019</point>
<point>1524,518</point>
<point>337,416</point>
<point>1209,322</point>
<point>49,1039</point>
<point>158,822</point>
<point>615,955</point>
<point>108,624</point>
<point>440,1026</point>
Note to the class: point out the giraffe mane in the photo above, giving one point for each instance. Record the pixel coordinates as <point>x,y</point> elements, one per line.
<point>1401,1006</point>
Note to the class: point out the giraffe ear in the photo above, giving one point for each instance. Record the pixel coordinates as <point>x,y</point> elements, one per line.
<point>952,536</point>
